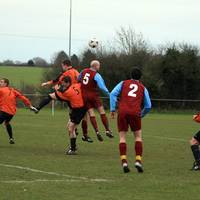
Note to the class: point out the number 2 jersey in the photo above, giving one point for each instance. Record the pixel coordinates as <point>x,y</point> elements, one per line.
<point>132,97</point>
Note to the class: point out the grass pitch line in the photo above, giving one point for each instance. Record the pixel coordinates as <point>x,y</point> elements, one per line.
<point>166,138</point>
<point>55,174</point>
<point>40,180</point>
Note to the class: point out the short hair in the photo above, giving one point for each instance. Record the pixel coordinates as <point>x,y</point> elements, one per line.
<point>67,79</point>
<point>67,62</point>
<point>6,81</point>
<point>136,73</point>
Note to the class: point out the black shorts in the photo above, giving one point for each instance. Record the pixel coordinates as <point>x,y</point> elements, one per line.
<point>5,117</point>
<point>197,136</point>
<point>77,114</point>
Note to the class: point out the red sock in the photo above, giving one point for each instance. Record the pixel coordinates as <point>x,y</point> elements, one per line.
<point>104,120</point>
<point>94,123</point>
<point>84,127</point>
<point>122,151</point>
<point>138,150</point>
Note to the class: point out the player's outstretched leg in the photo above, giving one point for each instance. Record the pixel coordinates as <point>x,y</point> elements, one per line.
<point>43,103</point>
<point>194,142</point>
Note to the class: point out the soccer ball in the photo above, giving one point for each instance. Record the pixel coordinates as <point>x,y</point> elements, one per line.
<point>93,43</point>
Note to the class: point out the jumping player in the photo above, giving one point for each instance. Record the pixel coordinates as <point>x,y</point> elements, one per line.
<point>132,96</point>
<point>91,81</point>
<point>68,70</point>
<point>8,97</point>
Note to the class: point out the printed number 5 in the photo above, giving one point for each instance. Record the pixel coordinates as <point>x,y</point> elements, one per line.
<point>134,88</point>
<point>86,79</point>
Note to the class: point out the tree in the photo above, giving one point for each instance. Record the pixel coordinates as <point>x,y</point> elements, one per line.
<point>30,63</point>
<point>40,62</point>
<point>58,58</point>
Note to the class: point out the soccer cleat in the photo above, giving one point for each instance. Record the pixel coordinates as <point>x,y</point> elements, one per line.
<point>139,167</point>
<point>109,134</point>
<point>125,168</point>
<point>71,152</point>
<point>11,141</point>
<point>34,109</point>
<point>195,167</point>
<point>99,137</point>
<point>87,139</point>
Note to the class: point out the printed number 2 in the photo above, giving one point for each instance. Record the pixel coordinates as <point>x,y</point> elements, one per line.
<point>86,78</point>
<point>134,88</point>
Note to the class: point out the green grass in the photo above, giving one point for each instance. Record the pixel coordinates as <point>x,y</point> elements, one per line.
<point>22,75</point>
<point>40,143</point>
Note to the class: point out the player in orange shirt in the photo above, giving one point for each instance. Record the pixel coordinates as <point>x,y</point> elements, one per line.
<point>71,93</point>
<point>68,70</point>
<point>8,98</point>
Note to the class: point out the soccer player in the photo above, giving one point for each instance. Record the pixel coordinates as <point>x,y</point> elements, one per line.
<point>72,93</point>
<point>8,98</point>
<point>132,96</point>
<point>68,70</point>
<point>194,143</point>
<point>91,81</point>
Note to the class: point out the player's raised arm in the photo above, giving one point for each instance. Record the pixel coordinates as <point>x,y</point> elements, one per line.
<point>54,81</point>
<point>25,100</point>
<point>101,84</point>
<point>147,103</point>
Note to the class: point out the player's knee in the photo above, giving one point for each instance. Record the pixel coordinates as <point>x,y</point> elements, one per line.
<point>6,123</point>
<point>193,141</point>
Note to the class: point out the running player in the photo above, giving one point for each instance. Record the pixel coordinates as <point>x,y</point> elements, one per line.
<point>91,81</point>
<point>8,97</point>
<point>132,95</point>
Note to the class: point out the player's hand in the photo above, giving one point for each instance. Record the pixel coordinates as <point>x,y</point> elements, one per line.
<point>196,118</point>
<point>44,84</point>
<point>112,115</point>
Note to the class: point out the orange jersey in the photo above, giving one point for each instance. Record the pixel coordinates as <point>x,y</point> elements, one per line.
<point>8,98</point>
<point>73,95</point>
<point>71,72</point>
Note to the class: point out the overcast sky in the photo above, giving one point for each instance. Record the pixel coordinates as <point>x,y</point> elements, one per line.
<point>30,28</point>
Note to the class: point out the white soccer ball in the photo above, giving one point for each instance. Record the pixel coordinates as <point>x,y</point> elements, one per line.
<point>93,43</point>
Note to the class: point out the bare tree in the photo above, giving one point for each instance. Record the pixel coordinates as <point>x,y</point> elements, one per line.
<point>129,41</point>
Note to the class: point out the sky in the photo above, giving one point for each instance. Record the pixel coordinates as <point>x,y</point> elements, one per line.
<point>40,28</point>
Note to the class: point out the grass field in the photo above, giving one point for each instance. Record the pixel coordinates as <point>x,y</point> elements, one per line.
<point>37,168</point>
<point>20,75</point>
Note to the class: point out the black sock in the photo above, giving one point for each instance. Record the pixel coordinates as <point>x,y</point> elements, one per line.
<point>44,102</point>
<point>9,130</point>
<point>73,144</point>
<point>196,153</point>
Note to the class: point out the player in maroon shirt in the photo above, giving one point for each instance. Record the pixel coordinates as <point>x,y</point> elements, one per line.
<point>91,81</point>
<point>132,97</point>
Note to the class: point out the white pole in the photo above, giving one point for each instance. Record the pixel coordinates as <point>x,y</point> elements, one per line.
<point>70,28</point>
